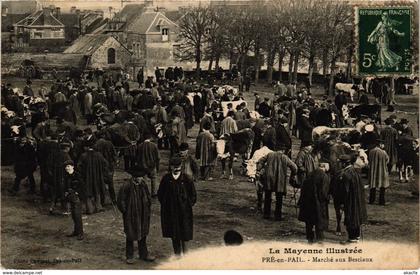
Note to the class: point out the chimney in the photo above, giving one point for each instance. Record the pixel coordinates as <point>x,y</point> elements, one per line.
<point>57,12</point>
<point>4,11</point>
<point>73,9</point>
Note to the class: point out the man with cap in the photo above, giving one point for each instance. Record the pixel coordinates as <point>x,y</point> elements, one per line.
<point>390,137</point>
<point>340,100</point>
<point>228,125</point>
<point>189,165</point>
<point>305,126</point>
<point>208,118</point>
<point>162,118</point>
<point>257,101</point>
<point>177,196</point>
<point>27,90</point>
<point>406,130</point>
<point>313,202</point>
<point>93,168</point>
<point>264,108</point>
<point>55,166</point>
<point>351,189</point>
<point>25,164</point>
<point>276,165</point>
<point>305,161</point>
<point>205,152</point>
<point>73,186</point>
<point>134,202</point>
<point>378,172</point>
<point>148,158</point>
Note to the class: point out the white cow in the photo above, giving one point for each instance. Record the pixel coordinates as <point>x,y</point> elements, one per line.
<point>348,88</point>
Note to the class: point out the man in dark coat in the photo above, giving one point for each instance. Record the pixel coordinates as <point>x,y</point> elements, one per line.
<point>264,108</point>
<point>276,165</point>
<point>27,90</point>
<point>313,203</point>
<point>305,127</point>
<point>73,186</point>
<point>55,166</point>
<point>147,157</point>
<point>177,196</point>
<point>134,202</point>
<point>107,149</point>
<point>339,101</point>
<point>198,107</point>
<point>283,136</point>
<point>205,152</point>
<point>25,164</point>
<point>94,170</point>
<point>353,194</point>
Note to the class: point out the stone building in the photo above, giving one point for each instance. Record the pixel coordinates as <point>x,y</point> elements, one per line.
<point>102,52</point>
<point>147,33</point>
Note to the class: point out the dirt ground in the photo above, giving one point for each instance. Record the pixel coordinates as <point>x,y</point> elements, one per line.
<point>31,239</point>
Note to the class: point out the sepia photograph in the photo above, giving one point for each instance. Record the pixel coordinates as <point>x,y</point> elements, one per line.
<point>209,135</point>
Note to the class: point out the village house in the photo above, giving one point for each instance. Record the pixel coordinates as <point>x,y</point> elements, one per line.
<point>147,33</point>
<point>101,52</point>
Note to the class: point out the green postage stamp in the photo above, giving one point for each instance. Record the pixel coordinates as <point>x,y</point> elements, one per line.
<point>384,40</point>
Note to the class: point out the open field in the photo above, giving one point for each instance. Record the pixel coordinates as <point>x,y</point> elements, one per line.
<point>30,234</point>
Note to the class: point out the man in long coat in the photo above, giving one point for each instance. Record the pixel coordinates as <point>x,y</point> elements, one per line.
<point>178,133</point>
<point>134,202</point>
<point>378,173</point>
<point>390,137</point>
<point>177,196</point>
<point>353,193</point>
<point>305,162</point>
<point>148,158</point>
<point>313,203</point>
<point>228,125</point>
<point>93,168</point>
<point>205,152</point>
<point>275,179</point>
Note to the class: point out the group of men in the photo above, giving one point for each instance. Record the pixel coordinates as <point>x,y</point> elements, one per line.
<point>77,161</point>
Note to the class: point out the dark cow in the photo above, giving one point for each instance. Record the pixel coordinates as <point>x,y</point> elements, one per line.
<point>235,143</point>
<point>371,110</point>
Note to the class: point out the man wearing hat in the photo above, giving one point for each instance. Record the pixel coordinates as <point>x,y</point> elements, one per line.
<point>148,158</point>
<point>205,152</point>
<point>55,166</point>
<point>189,165</point>
<point>406,130</point>
<point>351,190</point>
<point>305,161</point>
<point>313,202</point>
<point>27,90</point>
<point>94,170</point>
<point>208,118</point>
<point>264,108</point>
<point>305,126</point>
<point>177,196</point>
<point>378,172</point>
<point>134,202</point>
<point>73,186</point>
<point>390,136</point>
<point>276,178</point>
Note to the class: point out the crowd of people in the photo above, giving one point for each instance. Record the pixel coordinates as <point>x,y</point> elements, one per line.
<point>76,132</point>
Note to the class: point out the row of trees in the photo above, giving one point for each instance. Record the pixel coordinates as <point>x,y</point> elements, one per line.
<point>302,30</point>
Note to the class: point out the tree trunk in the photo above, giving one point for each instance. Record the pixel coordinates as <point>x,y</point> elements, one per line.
<point>290,75</point>
<point>242,58</point>
<point>349,58</point>
<point>230,60</point>
<point>210,64</point>
<point>198,61</point>
<point>281,59</point>
<point>324,62</point>
<point>295,67</point>
<point>270,63</point>
<point>311,62</point>
<point>216,65</point>
<point>332,75</point>
<point>257,65</point>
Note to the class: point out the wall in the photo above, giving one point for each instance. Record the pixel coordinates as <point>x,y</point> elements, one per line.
<point>99,58</point>
<point>158,55</point>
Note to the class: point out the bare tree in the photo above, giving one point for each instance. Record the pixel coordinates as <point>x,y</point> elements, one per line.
<point>192,35</point>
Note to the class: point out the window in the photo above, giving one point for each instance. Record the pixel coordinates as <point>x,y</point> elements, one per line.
<point>111,56</point>
<point>165,34</point>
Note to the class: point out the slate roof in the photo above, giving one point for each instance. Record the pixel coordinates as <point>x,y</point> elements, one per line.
<point>41,18</point>
<point>142,23</point>
<point>87,44</point>
<point>10,19</point>
<point>49,61</point>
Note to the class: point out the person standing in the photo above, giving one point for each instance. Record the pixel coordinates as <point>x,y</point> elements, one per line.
<point>205,152</point>
<point>27,90</point>
<point>313,203</point>
<point>73,186</point>
<point>352,191</point>
<point>134,202</point>
<point>94,170</point>
<point>177,196</point>
<point>276,178</point>
<point>305,162</point>
<point>147,158</point>
<point>378,173</point>
<point>189,165</point>
<point>390,137</point>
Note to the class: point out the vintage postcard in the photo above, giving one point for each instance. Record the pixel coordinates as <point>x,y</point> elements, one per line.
<point>209,134</point>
